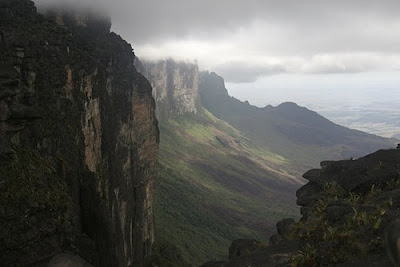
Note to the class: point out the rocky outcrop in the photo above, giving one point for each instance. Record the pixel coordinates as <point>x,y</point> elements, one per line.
<point>78,141</point>
<point>354,175</point>
<point>175,86</point>
<point>353,202</point>
<point>350,212</point>
<point>213,84</point>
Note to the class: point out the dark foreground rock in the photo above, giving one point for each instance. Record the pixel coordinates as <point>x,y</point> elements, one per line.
<point>350,217</point>
<point>78,141</point>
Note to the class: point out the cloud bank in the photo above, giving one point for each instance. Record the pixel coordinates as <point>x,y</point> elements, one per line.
<point>245,40</point>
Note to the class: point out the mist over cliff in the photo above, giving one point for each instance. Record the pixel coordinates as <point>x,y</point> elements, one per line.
<point>175,86</point>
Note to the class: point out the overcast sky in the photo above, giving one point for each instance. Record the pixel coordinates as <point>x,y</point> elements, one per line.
<point>247,41</point>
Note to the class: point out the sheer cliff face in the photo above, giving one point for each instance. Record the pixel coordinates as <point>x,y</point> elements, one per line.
<point>78,141</point>
<point>175,86</point>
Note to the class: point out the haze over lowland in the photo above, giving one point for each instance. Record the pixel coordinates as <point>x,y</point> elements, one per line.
<point>373,109</point>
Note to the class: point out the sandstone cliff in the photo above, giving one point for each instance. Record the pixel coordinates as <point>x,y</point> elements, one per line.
<point>78,141</point>
<point>175,85</point>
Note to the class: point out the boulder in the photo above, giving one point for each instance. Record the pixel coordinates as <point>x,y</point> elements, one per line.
<point>275,239</point>
<point>242,247</point>
<point>284,227</point>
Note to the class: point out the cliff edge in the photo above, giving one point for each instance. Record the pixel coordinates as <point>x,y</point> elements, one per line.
<point>78,142</point>
<point>175,86</point>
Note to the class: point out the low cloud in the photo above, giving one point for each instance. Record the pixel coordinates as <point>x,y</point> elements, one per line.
<point>255,38</point>
<point>350,63</point>
<point>157,20</point>
<point>248,71</point>
<point>245,72</point>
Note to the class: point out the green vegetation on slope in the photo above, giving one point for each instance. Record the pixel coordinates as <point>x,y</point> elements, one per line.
<point>298,134</point>
<point>231,171</point>
<point>214,186</point>
<point>358,233</point>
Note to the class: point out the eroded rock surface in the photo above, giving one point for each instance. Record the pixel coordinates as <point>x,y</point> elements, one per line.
<point>350,212</point>
<point>175,85</point>
<point>78,141</point>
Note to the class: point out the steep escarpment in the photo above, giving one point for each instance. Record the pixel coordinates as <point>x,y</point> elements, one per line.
<point>175,86</point>
<point>78,141</point>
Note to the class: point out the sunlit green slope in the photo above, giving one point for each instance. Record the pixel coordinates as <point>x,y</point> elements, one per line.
<point>214,186</point>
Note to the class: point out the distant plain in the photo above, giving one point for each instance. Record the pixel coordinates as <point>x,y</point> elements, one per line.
<point>375,111</point>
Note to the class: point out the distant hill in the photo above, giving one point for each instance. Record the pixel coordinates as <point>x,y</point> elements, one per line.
<point>229,170</point>
<point>299,134</point>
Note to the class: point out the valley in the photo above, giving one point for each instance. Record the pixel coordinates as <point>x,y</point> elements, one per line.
<point>214,185</point>
<point>108,160</point>
<point>229,170</point>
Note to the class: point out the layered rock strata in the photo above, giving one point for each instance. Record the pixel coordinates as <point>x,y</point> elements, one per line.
<point>175,86</point>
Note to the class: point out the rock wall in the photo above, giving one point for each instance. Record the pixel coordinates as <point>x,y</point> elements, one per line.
<point>78,142</point>
<point>175,85</point>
